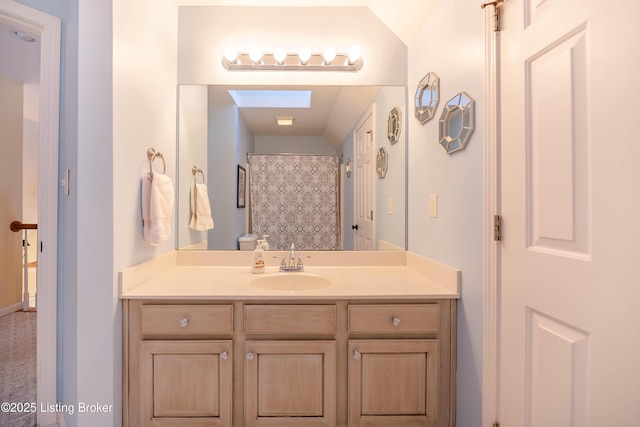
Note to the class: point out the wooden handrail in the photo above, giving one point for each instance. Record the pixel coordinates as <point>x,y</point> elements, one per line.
<point>17,226</point>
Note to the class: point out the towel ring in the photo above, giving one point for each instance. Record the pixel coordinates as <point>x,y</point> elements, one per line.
<point>151,155</point>
<point>195,171</point>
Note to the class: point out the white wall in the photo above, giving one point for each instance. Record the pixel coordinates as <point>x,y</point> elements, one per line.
<point>223,119</point>
<point>144,115</point>
<point>391,227</point>
<point>109,121</point>
<point>293,144</point>
<point>89,341</point>
<point>451,44</point>
<point>192,151</point>
<point>30,139</point>
<point>245,143</point>
<point>206,31</point>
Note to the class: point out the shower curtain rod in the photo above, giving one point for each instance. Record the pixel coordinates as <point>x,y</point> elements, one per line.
<point>339,155</point>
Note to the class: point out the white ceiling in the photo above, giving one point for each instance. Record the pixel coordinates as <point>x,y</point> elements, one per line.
<point>403,17</point>
<point>333,113</point>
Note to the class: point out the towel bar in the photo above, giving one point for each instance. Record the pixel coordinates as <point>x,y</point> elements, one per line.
<point>151,155</point>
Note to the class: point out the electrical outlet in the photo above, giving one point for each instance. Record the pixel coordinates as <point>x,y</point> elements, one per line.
<point>433,205</point>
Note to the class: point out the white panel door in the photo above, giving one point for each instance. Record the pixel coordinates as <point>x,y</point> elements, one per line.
<point>570,198</point>
<point>364,193</point>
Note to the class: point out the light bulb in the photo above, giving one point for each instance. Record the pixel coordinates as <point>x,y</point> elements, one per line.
<point>280,54</point>
<point>354,54</point>
<point>231,54</point>
<point>304,54</point>
<point>255,53</point>
<point>329,55</point>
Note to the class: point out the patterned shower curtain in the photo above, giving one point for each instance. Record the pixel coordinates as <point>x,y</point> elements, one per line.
<point>295,198</point>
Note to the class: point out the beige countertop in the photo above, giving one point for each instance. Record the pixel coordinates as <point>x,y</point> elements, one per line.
<point>352,275</point>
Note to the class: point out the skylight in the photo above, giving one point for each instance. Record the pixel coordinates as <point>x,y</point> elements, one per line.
<point>271,98</point>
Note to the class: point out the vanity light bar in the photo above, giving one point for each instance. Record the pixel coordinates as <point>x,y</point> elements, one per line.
<point>281,61</point>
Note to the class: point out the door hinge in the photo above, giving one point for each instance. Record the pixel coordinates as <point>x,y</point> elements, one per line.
<point>497,233</point>
<point>371,215</point>
<point>496,13</point>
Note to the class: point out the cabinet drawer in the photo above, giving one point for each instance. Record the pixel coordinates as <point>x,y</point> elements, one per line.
<point>186,319</point>
<point>290,319</point>
<point>394,318</point>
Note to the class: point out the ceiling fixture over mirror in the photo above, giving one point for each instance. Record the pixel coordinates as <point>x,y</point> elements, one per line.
<point>303,60</point>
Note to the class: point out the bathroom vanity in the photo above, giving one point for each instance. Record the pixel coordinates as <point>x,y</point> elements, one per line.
<point>216,346</point>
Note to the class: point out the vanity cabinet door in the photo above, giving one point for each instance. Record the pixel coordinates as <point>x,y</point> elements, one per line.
<point>186,383</point>
<point>393,383</point>
<point>290,383</point>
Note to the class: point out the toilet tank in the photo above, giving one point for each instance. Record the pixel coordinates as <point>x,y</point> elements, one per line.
<point>248,242</point>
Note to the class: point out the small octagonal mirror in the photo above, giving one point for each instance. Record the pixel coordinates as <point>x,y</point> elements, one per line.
<point>382,162</point>
<point>393,125</point>
<point>457,122</point>
<point>427,97</point>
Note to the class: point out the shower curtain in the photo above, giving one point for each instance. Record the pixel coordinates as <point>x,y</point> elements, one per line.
<point>295,199</point>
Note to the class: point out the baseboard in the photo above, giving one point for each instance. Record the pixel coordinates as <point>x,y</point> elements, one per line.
<point>10,309</point>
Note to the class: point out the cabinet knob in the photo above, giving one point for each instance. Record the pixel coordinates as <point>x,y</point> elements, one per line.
<point>184,322</point>
<point>250,355</point>
<point>356,355</point>
<point>395,321</point>
<point>224,355</point>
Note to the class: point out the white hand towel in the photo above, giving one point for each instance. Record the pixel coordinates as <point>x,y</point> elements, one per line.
<point>146,206</point>
<point>201,219</point>
<point>157,217</point>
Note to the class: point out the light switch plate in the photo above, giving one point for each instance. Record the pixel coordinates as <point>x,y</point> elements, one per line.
<point>390,206</point>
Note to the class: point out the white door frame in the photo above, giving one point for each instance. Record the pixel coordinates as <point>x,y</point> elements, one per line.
<point>491,303</point>
<point>48,28</point>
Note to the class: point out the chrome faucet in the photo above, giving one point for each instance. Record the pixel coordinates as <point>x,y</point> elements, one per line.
<point>292,254</point>
<point>292,265</point>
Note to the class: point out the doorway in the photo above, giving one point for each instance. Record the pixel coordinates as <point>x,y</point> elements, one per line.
<point>364,191</point>
<point>46,30</point>
<point>561,293</point>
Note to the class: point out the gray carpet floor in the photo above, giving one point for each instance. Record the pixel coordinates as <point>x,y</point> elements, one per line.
<point>18,366</point>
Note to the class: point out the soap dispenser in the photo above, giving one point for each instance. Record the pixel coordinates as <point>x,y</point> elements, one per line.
<point>257,263</point>
<point>265,244</point>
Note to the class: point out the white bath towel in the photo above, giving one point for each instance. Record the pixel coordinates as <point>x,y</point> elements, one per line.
<point>157,207</point>
<point>201,218</point>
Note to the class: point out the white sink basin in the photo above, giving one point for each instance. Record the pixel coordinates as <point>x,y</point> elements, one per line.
<point>294,281</point>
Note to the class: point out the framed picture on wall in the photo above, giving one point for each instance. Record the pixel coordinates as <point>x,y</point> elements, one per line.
<point>242,181</point>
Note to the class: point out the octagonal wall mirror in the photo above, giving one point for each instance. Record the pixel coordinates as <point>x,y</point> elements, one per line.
<point>382,162</point>
<point>427,97</point>
<point>394,125</point>
<point>457,122</point>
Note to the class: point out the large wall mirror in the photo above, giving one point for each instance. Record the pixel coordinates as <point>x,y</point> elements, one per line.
<point>217,129</point>
<point>219,124</point>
